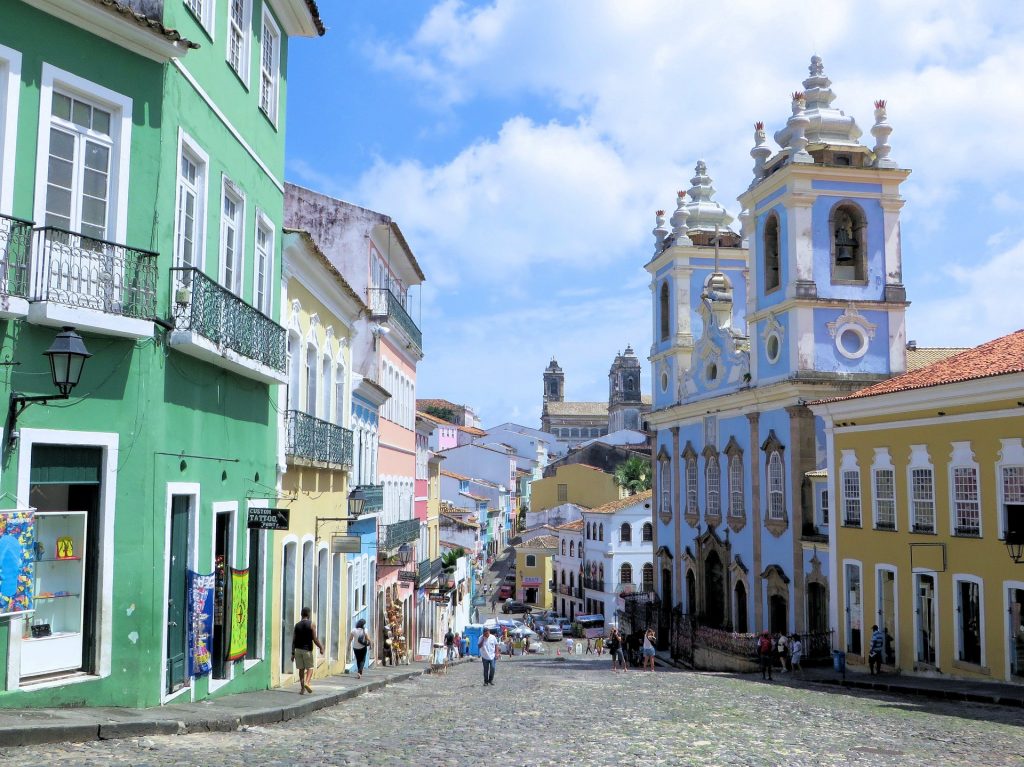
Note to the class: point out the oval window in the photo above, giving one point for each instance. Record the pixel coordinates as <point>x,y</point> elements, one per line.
<point>772,348</point>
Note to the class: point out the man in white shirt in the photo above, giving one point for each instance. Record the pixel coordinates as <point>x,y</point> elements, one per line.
<point>488,646</point>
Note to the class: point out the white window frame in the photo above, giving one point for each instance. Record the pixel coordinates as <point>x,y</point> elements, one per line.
<point>312,377</point>
<point>865,637</point>
<point>188,146</point>
<point>263,222</point>
<point>690,471</point>
<point>853,508</point>
<point>773,464</point>
<point>1011,455</point>
<point>713,486</point>
<point>894,630</point>
<point>936,603</point>
<point>962,458</point>
<point>882,462</point>
<point>958,615</point>
<point>229,188</point>
<point>736,489</point>
<point>204,15</point>
<point>120,108</point>
<point>265,565</point>
<point>340,388</point>
<point>326,393</point>
<point>10,84</point>
<point>920,460</point>
<point>275,74</point>
<point>245,54</point>
<point>231,509</point>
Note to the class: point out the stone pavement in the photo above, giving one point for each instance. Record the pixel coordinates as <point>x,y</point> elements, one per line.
<point>576,713</point>
<point>20,727</point>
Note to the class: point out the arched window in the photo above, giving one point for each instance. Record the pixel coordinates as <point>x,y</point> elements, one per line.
<point>600,532</point>
<point>735,485</point>
<point>563,576</point>
<point>575,432</point>
<point>713,482</point>
<point>626,573</point>
<point>579,550</point>
<point>772,275</point>
<point>339,393</point>
<point>647,536</point>
<point>531,560</point>
<point>848,228</point>
<point>663,314</point>
<point>588,531</point>
<point>326,392</point>
<point>626,533</point>
<point>647,578</point>
<point>572,548</point>
<point>776,487</point>
<point>563,547</point>
<point>294,372</point>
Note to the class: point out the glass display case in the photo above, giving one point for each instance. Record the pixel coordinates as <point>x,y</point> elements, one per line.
<point>52,640</point>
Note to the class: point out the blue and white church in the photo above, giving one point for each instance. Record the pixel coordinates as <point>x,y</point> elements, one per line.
<point>804,302</point>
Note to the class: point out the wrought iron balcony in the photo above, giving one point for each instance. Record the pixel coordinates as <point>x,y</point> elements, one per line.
<point>374,495</point>
<point>423,571</point>
<point>395,535</point>
<point>316,440</point>
<point>384,303</point>
<point>74,270</point>
<point>229,325</point>
<point>15,244</point>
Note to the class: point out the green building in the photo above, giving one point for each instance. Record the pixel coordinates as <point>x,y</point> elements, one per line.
<point>141,202</point>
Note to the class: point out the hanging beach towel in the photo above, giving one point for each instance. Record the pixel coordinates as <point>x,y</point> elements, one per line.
<point>239,617</point>
<point>200,625</point>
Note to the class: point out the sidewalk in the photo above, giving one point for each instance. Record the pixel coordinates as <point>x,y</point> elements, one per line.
<point>23,727</point>
<point>858,678</point>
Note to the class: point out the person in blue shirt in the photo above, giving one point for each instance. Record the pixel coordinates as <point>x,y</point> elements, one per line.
<point>875,650</point>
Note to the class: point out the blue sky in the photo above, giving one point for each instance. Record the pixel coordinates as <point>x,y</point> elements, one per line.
<point>523,148</point>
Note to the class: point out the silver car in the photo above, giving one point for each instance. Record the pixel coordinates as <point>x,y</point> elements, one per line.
<point>552,632</point>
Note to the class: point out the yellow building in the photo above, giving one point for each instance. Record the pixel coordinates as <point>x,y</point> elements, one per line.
<point>576,483</point>
<point>927,473</point>
<point>316,448</point>
<point>535,570</point>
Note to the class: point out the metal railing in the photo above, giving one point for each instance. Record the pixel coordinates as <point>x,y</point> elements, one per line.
<point>317,440</point>
<point>15,245</point>
<point>75,270</point>
<point>374,498</point>
<point>202,306</point>
<point>423,571</point>
<point>593,583</point>
<point>405,531</point>
<point>384,303</point>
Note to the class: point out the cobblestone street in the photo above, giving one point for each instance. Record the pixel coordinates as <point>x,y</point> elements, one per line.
<point>575,712</point>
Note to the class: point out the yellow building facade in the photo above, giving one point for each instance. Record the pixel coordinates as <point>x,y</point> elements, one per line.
<point>927,475</point>
<point>310,565</point>
<point>535,570</point>
<point>574,483</point>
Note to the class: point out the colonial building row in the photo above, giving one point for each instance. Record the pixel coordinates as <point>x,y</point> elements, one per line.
<point>237,437</point>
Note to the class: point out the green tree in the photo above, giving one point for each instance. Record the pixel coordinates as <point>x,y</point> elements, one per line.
<point>450,558</point>
<point>634,474</point>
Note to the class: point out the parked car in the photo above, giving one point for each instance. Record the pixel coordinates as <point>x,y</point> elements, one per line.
<point>566,626</point>
<point>552,632</point>
<point>505,591</point>
<point>514,606</point>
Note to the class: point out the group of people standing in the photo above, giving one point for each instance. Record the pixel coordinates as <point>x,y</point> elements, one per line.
<point>786,652</point>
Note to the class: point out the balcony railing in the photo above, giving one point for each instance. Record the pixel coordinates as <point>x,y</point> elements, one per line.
<point>423,571</point>
<point>15,243</point>
<point>74,270</point>
<point>374,498</point>
<point>317,440</point>
<point>405,531</point>
<point>202,306</point>
<point>384,303</point>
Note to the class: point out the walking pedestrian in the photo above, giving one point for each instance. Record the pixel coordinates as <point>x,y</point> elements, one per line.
<point>303,638</point>
<point>796,655</point>
<point>590,647</point>
<point>449,645</point>
<point>875,651</point>
<point>764,654</point>
<point>649,640</point>
<point>570,645</point>
<point>599,645</point>
<point>615,649</point>
<point>488,647</point>
<point>782,648</point>
<point>360,642</point>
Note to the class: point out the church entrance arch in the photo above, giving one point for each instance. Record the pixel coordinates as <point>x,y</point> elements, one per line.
<point>714,590</point>
<point>741,608</point>
<point>691,592</point>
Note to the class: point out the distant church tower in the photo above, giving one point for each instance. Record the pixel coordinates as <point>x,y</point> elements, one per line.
<point>554,382</point>
<point>624,404</point>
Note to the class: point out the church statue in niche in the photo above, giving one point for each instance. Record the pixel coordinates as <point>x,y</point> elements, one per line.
<point>846,244</point>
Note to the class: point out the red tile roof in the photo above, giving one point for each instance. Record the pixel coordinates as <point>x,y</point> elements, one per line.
<point>622,503</point>
<point>453,475</point>
<point>999,357</point>
<point>576,524</point>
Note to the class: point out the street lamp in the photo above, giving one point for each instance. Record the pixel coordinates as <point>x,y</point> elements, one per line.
<point>67,355</point>
<point>404,554</point>
<point>356,502</point>
<point>1015,545</point>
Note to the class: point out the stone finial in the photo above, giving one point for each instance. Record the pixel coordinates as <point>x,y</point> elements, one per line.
<point>659,232</point>
<point>761,151</point>
<point>678,221</point>
<point>797,126</point>
<point>817,68</point>
<point>704,213</point>
<point>881,130</point>
<point>827,125</point>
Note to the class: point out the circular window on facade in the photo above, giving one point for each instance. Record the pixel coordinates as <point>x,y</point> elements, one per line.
<point>772,347</point>
<point>712,372</point>
<point>664,381</point>
<point>852,341</point>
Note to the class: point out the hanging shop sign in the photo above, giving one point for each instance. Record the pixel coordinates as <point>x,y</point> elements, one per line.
<point>529,580</point>
<point>406,575</point>
<point>268,519</point>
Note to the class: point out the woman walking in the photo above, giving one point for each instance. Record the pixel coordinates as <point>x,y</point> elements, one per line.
<point>649,640</point>
<point>615,649</point>
<point>360,642</point>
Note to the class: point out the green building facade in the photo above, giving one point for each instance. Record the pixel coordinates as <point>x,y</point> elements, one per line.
<point>141,202</point>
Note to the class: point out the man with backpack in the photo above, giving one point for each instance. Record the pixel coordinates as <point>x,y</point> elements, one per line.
<point>764,654</point>
<point>449,645</point>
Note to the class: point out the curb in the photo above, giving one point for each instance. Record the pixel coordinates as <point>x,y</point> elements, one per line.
<point>225,721</point>
<point>925,692</point>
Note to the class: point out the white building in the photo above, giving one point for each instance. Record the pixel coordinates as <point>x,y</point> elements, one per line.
<point>568,569</point>
<point>618,554</point>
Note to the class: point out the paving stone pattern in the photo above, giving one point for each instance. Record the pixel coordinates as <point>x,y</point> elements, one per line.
<point>572,713</point>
